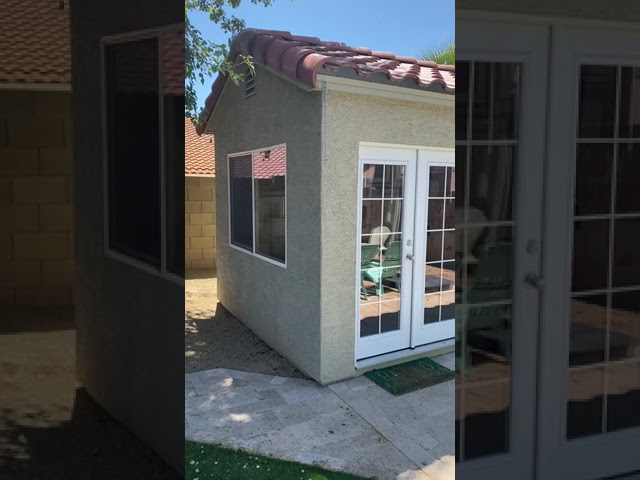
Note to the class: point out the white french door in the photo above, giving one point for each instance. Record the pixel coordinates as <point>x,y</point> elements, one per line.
<point>549,365</point>
<point>406,275</point>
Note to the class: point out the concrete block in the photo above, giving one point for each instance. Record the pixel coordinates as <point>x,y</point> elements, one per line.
<point>6,252</point>
<point>201,218</point>
<point>208,207</point>
<point>199,194</point>
<point>57,272</point>
<point>3,132</point>
<point>56,218</point>
<point>40,246</point>
<point>202,264</point>
<point>18,161</point>
<point>70,189</point>
<point>53,104</point>
<point>202,242</point>
<point>192,207</point>
<point>35,131</point>
<point>40,190</point>
<point>49,296</point>
<point>193,254</point>
<point>54,161</point>
<point>208,230</point>
<point>17,103</point>
<point>206,182</point>
<point>5,191</point>
<point>18,218</point>
<point>20,274</point>
<point>70,253</point>
<point>194,231</point>
<point>209,253</point>
<point>7,298</point>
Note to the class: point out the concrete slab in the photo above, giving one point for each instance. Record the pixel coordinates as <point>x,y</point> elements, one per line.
<point>352,426</point>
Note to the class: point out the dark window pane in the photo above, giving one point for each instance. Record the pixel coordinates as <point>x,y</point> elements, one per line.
<point>630,103</point>
<point>495,107</point>
<point>585,401</point>
<point>597,101</point>
<point>269,172</point>
<point>491,180</point>
<point>392,215</point>
<point>626,253</point>
<point>133,149</point>
<point>372,181</point>
<point>435,215</point>
<point>594,164</point>
<point>393,181</point>
<point>451,182</point>
<point>628,183</point>
<point>588,334</point>
<point>489,267</point>
<point>174,178</point>
<point>241,199</point>
<point>369,319</point>
<point>449,214</point>
<point>590,255</point>
<point>461,163</point>
<point>390,316</point>
<point>371,216</point>
<point>462,99</point>
<point>437,181</point>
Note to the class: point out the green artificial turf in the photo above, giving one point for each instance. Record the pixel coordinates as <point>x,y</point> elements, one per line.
<point>205,462</point>
<point>410,376</point>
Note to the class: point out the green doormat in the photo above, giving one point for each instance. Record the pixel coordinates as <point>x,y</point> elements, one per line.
<point>410,376</point>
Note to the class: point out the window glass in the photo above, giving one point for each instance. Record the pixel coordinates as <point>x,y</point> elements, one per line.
<point>134,149</point>
<point>269,187</point>
<point>241,194</point>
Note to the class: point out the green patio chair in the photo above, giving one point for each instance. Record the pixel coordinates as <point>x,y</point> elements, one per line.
<point>389,267</point>
<point>367,255</point>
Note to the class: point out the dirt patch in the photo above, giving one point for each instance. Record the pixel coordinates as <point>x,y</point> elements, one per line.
<point>216,339</point>
<point>49,426</point>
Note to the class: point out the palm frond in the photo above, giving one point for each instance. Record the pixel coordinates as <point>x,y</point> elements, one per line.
<point>442,54</point>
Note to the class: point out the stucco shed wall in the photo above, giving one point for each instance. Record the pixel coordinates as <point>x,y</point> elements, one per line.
<point>351,119</point>
<point>280,305</point>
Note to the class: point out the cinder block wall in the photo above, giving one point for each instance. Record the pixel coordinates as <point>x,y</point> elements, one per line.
<point>36,221</point>
<point>200,223</point>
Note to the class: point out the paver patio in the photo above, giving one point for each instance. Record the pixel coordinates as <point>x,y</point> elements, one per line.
<point>352,426</point>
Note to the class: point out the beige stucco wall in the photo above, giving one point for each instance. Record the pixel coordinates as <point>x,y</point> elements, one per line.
<point>623,10</point>
<point>35,200</point>
<point>281,305</point>
<point>351,119</point>
<point>199,223</point>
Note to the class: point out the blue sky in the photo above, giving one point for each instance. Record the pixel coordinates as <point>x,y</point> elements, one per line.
<point>403,27</point>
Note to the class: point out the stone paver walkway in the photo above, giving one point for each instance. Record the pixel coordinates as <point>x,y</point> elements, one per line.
<point>352,426</point>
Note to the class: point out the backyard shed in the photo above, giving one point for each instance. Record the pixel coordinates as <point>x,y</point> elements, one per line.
<point>335,189</point>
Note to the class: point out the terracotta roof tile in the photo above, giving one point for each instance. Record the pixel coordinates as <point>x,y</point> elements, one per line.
<point>35,42</point>
<point>263,168</point>
<point>199,152</point>
<point>302,58</point>
<point>173,62</point>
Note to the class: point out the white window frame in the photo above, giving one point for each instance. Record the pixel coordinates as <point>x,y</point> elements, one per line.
<point>253,252</point>
<point>106,41</point>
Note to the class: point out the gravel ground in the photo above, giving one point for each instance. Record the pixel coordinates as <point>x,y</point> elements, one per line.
<point>216,339</point>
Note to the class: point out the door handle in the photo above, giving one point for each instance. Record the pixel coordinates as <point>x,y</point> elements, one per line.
<point>536,281</point>
<point>411,256</point>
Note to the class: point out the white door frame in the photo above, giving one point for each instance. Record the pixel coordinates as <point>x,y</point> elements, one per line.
<point>417,160</point>
<point>382,343</point>
<point>422,334</point>
<point>480,40</point>
<point>578,458</point>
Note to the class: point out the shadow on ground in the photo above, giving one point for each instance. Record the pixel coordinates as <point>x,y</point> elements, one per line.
<point>50,428</point>
<point>216,339</point>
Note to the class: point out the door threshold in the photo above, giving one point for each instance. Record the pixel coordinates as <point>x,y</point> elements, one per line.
<point>399,356</point>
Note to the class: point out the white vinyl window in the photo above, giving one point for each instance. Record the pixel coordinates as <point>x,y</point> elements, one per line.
<point>258,204</point>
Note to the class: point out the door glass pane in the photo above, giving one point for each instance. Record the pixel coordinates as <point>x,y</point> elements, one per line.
<point>440,277</point>
<point>603,378</point>
<point>482,257</point>
<point>381,248</point>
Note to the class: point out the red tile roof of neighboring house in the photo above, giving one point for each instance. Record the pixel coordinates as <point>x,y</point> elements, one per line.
<point>35,44</point>
<point>263,168</point>
<point>173,62</point>
<point>302,58</point>
<point>198,151</point>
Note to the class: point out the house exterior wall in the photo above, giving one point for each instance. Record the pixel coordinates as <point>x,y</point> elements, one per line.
<point>200,223</point>
<point>127,319</point>
<point>36,238</point>
<point>622,10</point>
<point>280,305</point>
<point>351,119</point>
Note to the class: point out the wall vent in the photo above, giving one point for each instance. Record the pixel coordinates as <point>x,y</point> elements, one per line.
<point>249,83</point>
